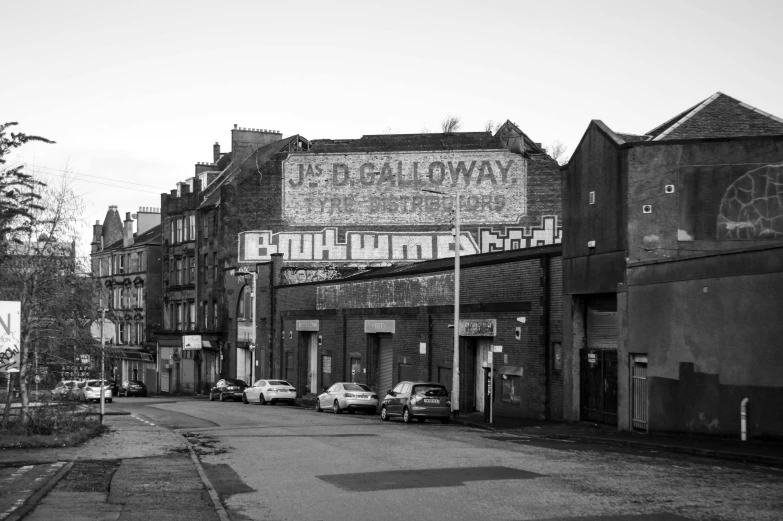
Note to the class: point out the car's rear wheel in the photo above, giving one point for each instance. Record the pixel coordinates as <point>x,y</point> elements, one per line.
<point>406,415</point>
<point>318,405</point>
<point>445,420</point>
<point>384,414</point>
<point>336,408</point>
<point>244,399</point>
<point>261,399</point>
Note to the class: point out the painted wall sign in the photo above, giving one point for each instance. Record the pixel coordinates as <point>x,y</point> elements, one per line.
<point>378,246</point>
<point>477,327</point>
<point>308,325</point>
<point>379,326</point>
<point>191,342</point>
<point>10,335</point>
<point>386,188</point>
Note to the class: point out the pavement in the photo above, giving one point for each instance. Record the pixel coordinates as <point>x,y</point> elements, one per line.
<point>137,470</point>
<point>751,451</point>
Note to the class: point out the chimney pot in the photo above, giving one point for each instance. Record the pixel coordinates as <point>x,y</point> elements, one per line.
<point>235,126</point>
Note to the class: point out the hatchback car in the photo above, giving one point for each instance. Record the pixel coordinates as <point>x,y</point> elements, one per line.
<point>347,396</point>
<point>133,388</point>
<point>228,388</point>
<point>270,391</point>
<point>90,390</point>
<point>65,390</point>
<point>417,400</point>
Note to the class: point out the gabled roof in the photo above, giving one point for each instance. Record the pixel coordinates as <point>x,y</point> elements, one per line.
<point>718,116</point>
<point>409,142</point>
<point>258,157</point>
<point>510,130</point>
<point>151,236</point>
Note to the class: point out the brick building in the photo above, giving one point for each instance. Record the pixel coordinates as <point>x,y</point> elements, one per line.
<point>673,273</point>
<point>127,265</point>
<point>394,324</point>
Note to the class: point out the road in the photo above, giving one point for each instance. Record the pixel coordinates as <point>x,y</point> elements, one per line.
<point>286,463</point>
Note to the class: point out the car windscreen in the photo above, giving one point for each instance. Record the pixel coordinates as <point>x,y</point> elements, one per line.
<point>279,382</point>
<point>354,387</point>
<point>430,390</point>
<point>97,383</point>
<point>236,382</point>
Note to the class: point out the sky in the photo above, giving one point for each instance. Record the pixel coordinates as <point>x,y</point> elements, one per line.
<point>135,94</point>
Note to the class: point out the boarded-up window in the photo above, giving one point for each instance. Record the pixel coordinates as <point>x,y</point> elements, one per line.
<point>510,391</point>
<point>326,370</point>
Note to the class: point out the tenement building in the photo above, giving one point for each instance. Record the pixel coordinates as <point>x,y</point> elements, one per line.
<point>673,273</point>
<point>127,265</point>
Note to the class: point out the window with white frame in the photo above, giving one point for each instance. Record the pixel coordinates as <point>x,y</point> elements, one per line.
<point>179,271</point>
<point>139,333</point>
<point>192,316</point>
<point>121,332</point>
<point>140,297</point>
<point>192,227</point>
<point>179,317</point>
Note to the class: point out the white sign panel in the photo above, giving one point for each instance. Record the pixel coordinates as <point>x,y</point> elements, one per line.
<point>10,335</point>
<point>497,349</point>
<point>191,342</point>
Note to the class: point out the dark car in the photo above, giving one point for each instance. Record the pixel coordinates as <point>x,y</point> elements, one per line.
<point>417,400</point>
<point>133,388</point>
<point>228,388</point>
<point>115,387</point>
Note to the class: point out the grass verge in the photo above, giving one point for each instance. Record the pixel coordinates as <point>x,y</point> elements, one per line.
<point>50,424</point>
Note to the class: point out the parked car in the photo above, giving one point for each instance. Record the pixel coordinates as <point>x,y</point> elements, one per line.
<point>228,388</point>
<point>65,390</point>
<point>347,396</point>
<point>90,390</point>
<point>115,388</point>
<point>270,391</point>
<point>133,388</point>
<point>417,400</point>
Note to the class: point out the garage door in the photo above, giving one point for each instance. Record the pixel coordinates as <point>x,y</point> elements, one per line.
<point>385,364</point>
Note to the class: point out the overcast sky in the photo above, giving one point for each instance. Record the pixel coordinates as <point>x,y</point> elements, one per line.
<point>138,93</point>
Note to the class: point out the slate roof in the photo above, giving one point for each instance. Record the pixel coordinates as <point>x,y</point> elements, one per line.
<point>409,142</point>
<point>259,156</point>
<point>718,116</point>
<point>151,236</point>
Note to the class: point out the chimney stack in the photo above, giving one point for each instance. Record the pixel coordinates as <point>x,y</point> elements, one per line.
<point>127,232</point>
<point>97,234</point>
<point>215,152</point>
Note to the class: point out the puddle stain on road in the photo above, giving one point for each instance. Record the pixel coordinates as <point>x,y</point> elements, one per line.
<point>424,478</point>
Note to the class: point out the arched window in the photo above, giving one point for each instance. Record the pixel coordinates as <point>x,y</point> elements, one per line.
<point>244,306</point>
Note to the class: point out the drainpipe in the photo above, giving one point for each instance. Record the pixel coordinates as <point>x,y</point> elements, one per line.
<point>744,419</point>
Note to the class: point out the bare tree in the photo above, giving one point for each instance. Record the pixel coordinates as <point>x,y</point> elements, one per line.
<point>492,127</point>
<point>41,271</point>
<point>558,151</point>
<point>424,129</point>
<point>450,124</point>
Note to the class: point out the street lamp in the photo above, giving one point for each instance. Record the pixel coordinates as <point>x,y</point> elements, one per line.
<point>252,314</point>
<point>455,369</point>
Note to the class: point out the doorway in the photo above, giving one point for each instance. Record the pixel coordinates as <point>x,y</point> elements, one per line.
<point>312,356</point>
<point>483,349</point>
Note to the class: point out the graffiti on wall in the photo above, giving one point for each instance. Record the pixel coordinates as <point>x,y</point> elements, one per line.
<point>303,275</point>
<point>731,202</point>
<point>376,247</point>
<point>363,246</point>
<point>515,238</point>
<point>342,189</point>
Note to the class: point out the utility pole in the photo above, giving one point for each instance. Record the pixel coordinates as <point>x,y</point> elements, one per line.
<point>455,363</point>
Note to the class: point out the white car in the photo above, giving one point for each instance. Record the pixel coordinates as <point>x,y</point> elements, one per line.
<point>270,391</point>
<point>90,390</point>
<point>347,396</point>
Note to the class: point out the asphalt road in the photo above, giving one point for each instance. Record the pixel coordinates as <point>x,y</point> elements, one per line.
<point>286,463</point>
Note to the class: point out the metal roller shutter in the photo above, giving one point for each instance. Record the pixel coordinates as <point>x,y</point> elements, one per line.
<point>385,364</point>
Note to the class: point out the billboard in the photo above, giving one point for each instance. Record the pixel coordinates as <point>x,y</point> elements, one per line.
<point>10,335</point>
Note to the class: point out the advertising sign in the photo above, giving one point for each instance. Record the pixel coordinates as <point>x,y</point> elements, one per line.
<point>386,188</point>
<point>10,335</point>
<point>307,325</point>
<point>190,342</point>
<point>379,326</point>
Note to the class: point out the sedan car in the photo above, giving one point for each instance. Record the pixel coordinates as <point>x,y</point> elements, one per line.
<point>228,388</point>
<point>419,400</point>
<point>90,390</point>
<point>133,388</point>
<point>347,396</point>
<point>270,391</point>
<point>65,390</point>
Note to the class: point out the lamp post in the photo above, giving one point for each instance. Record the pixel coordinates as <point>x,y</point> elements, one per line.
<point>103,340</point>
<point>455,369</point>
<point>253,315</point>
